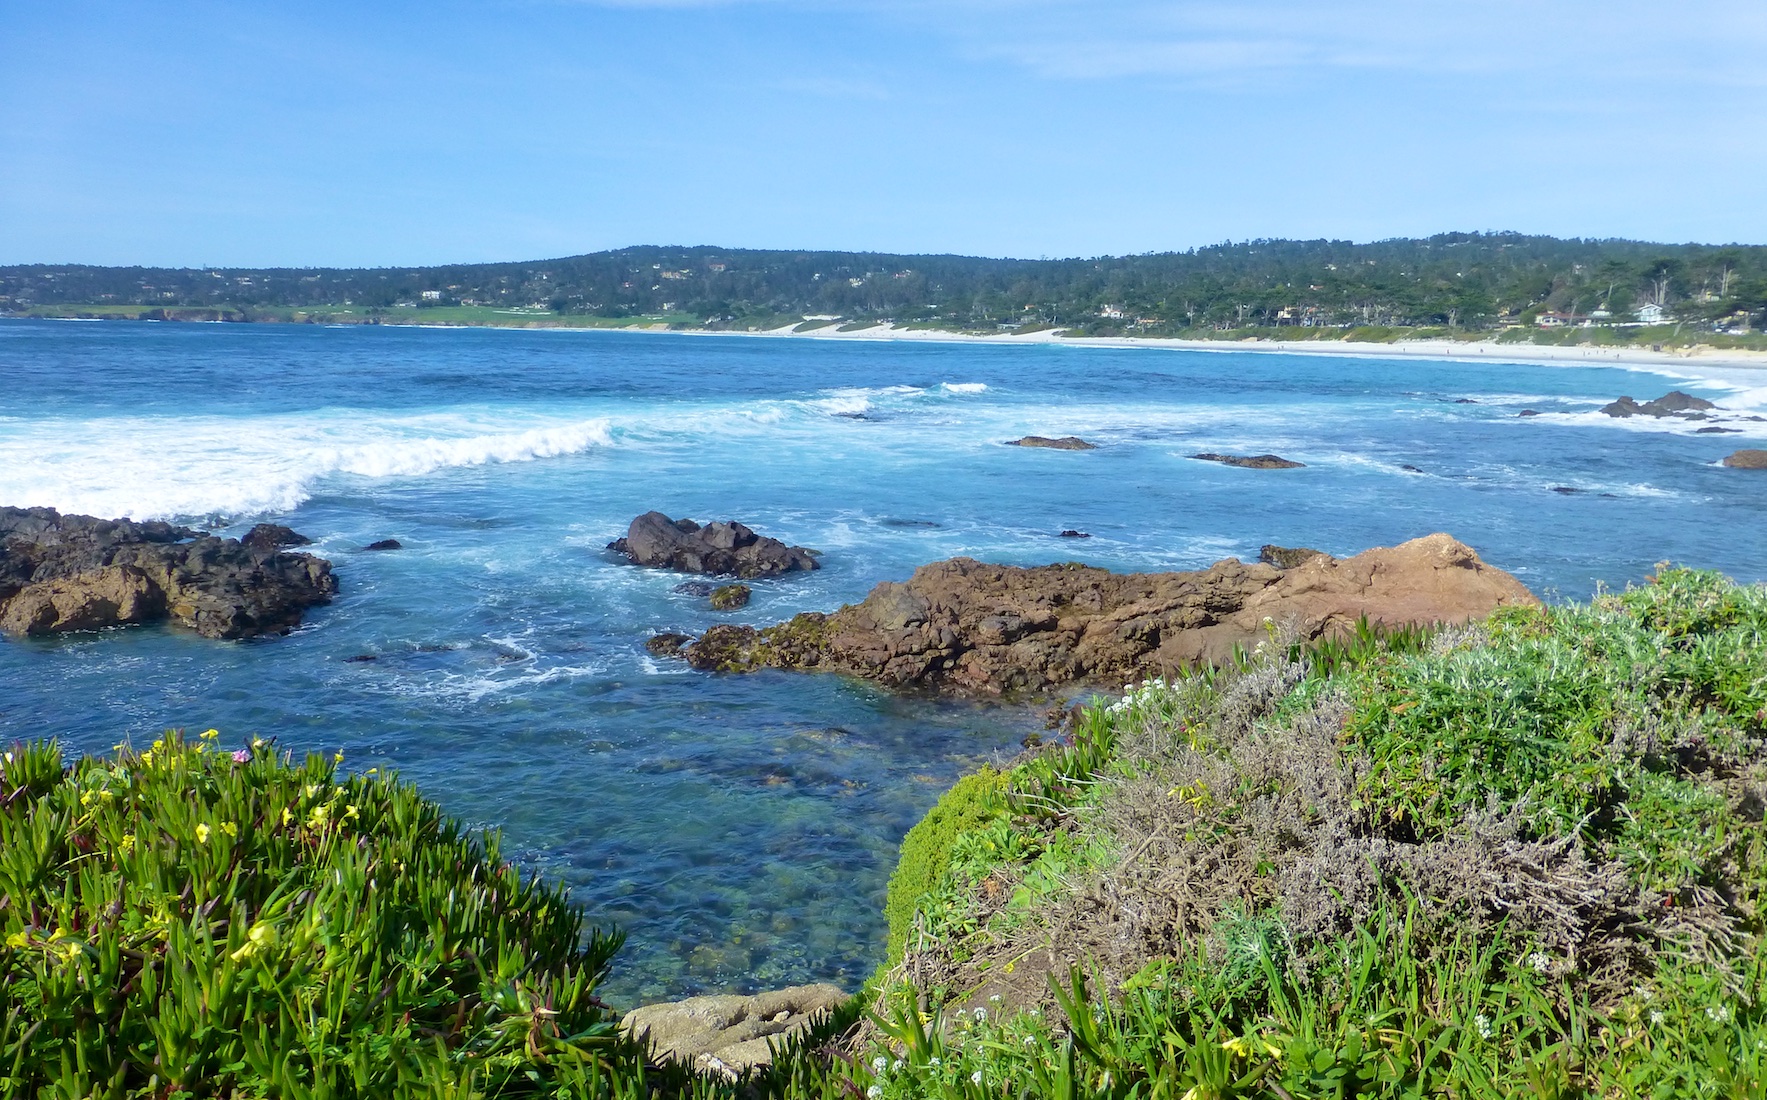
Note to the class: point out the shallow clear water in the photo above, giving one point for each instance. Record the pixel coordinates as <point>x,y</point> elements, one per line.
<point>742,828</point>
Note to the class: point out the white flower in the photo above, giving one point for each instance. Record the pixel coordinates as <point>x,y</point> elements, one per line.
<point>1030,1040</point>
<point>976,1077</point>
<point>896,1066</point>
<point>1540,962</point>
<point>981,1014</point>
<point>932,1061</point>
<point>878,1063</point>
<point>1656,1015</point>
<point>1483,1023</point>
<point>1718,1013</point>
<point>994,1000</point>
<point>1644,993</point>
<point>874,1092</point>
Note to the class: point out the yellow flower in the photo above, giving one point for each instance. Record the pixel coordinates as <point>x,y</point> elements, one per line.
<point>72,950</point>
<point>210,735</point>
<point>317,819</point>
<point>339,758</point>
<point>230,828</point>
<point>287,815</point>
<point>262,937</point>
<point>18,940</point>
<point>202,834</point>
<point>127,843</point>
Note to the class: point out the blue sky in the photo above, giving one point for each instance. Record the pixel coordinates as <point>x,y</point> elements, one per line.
<point>394,133</point>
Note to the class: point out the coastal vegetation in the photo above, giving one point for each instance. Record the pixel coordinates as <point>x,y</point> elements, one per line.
<point>1449,285</point>
<point>1524,857</point>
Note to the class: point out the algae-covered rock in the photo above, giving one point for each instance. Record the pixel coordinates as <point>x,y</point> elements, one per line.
<point>730,597</point>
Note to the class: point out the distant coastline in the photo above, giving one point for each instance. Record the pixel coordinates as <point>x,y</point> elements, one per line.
<point>1486,349</point>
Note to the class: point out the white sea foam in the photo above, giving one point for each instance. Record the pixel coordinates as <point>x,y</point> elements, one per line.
<point>964,387</point>
<point>217,467</point>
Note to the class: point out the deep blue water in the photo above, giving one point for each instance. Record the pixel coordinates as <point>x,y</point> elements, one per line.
<point>742,828</point>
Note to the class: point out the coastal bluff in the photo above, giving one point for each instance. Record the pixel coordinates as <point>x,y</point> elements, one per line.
<point>965,627</point>
<point>61,573</point>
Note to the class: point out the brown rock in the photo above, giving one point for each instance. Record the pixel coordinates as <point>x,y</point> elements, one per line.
<point>1065,443</point>
<point>729,1034</point>
<point>729,597</point>
<point>655,540</point>
<point>60,573</point>
<point>1252,462</point>
<point>966,627</point>
<point>1747,460</point>
<point>1287,557</point>
<point>667,644</point>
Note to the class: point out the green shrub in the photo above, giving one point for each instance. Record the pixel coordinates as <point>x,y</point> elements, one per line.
<point>926,850</point>
<point>192,922</point>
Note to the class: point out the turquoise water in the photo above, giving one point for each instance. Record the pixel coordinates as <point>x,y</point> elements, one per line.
<point>742,828</point>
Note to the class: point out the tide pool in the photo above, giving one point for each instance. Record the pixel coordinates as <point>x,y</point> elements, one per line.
<point>741,829</point>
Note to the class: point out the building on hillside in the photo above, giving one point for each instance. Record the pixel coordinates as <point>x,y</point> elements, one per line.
<point>1111,313</point>
<point>1652,314</point>
<point>432,295</point>
<point>1552,318</point>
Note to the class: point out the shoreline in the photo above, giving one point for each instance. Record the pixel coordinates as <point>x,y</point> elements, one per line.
<point>1469,351</point>
<point>1487,351</point>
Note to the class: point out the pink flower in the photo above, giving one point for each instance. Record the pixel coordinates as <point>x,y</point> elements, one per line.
<point>242,756</point>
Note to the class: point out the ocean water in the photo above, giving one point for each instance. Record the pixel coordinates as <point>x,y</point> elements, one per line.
<point>741,829</point>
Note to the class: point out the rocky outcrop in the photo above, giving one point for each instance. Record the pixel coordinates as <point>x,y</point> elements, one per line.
<point>1287,557</point>
<point>60,573</point>
<point>271,537</point>
<point>655,540</point>
<point>729,1034</point>
<point>385,544</point>
<point>1252,462</point>
<point>1673,403</point>
<point>1065,443</point>
<point>1747,460</point>
<point>966,627</point>
<point>730,597</point>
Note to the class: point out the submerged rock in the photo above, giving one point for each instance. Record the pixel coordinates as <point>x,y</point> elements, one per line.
<point>1065,443</point>
<point>655,540</point>
<point>729,597</point>
<point>1252,462</point>
<point>667,644</point>
<point>61,573</point>
<point>385,544</point>
<point>1070,533</point>
<point>967,627</point>
<point>729,1034</point>
<point>1747,460</point>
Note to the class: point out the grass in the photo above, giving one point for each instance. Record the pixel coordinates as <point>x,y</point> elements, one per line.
<point>1523,858</point>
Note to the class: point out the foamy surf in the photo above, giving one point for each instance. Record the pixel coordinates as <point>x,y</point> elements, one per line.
<point>212,469</point>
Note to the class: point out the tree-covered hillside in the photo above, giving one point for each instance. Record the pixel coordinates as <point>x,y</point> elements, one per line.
<point>1462,280</point>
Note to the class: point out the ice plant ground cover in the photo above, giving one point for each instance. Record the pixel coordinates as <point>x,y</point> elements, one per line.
<point>195,921</point>
<point>1524,858</point>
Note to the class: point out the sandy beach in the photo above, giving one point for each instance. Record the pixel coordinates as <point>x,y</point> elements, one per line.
<point>1466,351</point>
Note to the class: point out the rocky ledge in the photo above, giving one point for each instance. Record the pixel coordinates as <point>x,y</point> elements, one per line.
<point>965,627</point>
<point>1252,462</point>
<point>1746,460</point>
<point>1065,443</point>
<point>60,573</point>
<point>729,1034</point>
<point>655,540</point>
<point>1673,403</point>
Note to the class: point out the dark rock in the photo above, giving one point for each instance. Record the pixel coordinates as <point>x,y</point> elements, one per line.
<point>268,538</point>
<point>1466,401</point>
<point>965,627</point>
<point>361,658</point>
<point>1065,443</point>
<point>1567,490</point>
<point>385,544</point>
<point>667,645</point>
<point>1715,430</point>
<point>1747,460</point>
<point>1251,462</point>
<point>729,597</point>
<point>1410,469</point>
<point>655,540</point>
<point>1070,533</point>
<point>1673,403</point>
<point>61,573</point>
<point>909,523</point>
<point>701,589</point>
<point>1287,557</point>
<point>1529,412</point>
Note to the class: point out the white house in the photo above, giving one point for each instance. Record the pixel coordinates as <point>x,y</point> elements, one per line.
<point>1652,314</point>
<point>1114,313</point>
